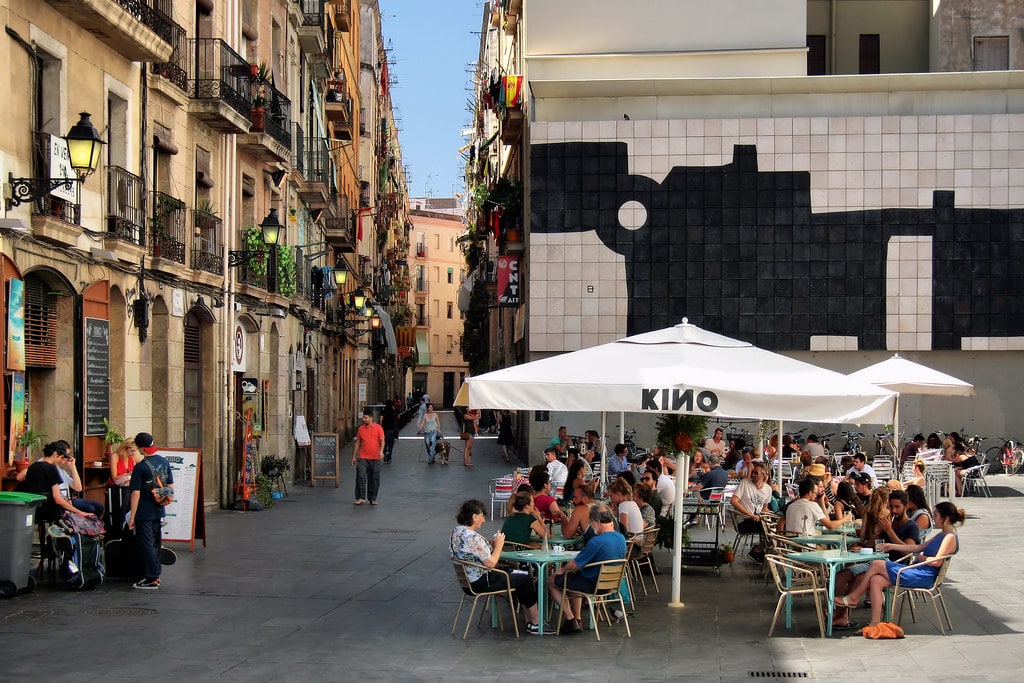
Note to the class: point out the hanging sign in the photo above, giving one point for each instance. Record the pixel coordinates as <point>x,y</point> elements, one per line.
<point>508,281</point>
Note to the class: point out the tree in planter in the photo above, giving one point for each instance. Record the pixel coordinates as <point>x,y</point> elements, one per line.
<point>285,270</point>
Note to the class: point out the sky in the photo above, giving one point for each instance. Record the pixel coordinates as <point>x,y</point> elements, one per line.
<point>431,43</point>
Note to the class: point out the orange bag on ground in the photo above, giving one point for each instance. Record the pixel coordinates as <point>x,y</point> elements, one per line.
<point>885,630</point>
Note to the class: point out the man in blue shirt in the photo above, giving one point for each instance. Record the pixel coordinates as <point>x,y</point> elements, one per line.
<point>607,544</point>
<point>561,442</point>
<point>618,463</point>
<point>147,515</point>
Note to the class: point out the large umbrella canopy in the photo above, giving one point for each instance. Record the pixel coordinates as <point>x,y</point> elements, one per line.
<point>681,369</point>
<point>907,377</point>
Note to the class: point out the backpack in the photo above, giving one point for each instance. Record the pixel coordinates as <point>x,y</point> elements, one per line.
<point>79,558</point>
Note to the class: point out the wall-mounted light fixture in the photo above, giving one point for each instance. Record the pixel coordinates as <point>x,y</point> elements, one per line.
<point>271,228</point>
<point>84,146</point>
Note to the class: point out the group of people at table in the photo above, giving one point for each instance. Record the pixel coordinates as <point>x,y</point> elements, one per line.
<point>893,517</point>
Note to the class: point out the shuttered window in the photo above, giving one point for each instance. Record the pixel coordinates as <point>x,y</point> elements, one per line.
<point>991,53</point>
<point>193,385</point>
<point>40,325</point>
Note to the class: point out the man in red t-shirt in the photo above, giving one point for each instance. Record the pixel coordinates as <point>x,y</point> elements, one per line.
<point>366,458</point>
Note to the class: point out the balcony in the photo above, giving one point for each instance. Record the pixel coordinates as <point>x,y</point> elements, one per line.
<point>167,228</point>
<point>55,197</point>
<point>313,161</point>
<point>311,29</point>
<point>220,87</point>
<point>272,141</point>
<point>340,12</point>
<point>133,28</point>
<point>175,68</point>
<point>421,250</point>
<point>512,126</point>
<point>126,220</point>
<point>340,232</point>
<point>207,250</point>
<point>338,111</point>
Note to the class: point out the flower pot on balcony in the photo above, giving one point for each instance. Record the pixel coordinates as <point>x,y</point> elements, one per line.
<point>513,236</point>
<point>258,118</point>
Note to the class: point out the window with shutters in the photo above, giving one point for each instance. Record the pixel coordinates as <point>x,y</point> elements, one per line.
<point>40,325</point>
<point>991,53</point>
<point>193,388</point>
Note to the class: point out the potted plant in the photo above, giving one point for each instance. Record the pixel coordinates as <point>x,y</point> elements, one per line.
<point>112,437</point>
<point>667,533</point>
<point>285,270</point>
<point>672,426</point>
<point>726,554</point>
<point>28,440</point>
<point>260,80</point>
<point>273,466</point>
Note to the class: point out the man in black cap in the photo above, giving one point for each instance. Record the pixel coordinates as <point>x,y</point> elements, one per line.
<point>146,513</point>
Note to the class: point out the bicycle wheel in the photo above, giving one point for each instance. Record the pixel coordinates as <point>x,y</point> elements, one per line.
<point>1016,460</point>
<point>994,458</point>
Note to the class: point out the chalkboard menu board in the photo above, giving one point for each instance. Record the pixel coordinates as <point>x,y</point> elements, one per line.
<point>97,375</point>
<point>325,457</point>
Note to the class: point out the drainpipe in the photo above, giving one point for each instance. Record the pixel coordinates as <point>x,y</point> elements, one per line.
<point>832,39</point>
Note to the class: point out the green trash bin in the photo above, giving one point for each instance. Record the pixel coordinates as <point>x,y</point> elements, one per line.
<point>17,514</point>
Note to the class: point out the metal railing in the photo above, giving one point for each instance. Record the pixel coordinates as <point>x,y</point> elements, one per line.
<point>220,73</point>
<point>175,69</point>
<point>126,219</point>
<point>167,227</point>
<point>207,250</point>
<point>278,120</point>
<point>312,12</point>
<point>316,164</point>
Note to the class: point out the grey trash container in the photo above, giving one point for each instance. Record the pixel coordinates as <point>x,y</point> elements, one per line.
<point>17,514</point>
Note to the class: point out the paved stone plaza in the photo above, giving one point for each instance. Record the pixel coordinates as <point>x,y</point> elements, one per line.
<point>317,589</point>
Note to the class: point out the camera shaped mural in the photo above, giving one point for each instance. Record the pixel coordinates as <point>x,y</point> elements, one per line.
<point>739,250</point>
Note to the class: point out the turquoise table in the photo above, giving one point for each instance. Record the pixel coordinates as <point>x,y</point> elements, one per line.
<point>541,560</point>
<point>834,560</point>
<point>832,540</point>
<point>559,540</point>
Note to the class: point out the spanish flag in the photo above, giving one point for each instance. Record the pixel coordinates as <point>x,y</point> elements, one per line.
<point>513,91</point>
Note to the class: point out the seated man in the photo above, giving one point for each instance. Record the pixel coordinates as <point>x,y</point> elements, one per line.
<point>664,487</point>
<point>607,544</point>
<point>578,523</point>
<point>556,469</point>
<point>812,447</point>
<point>714,478</point>
<point>561,442</point>
<point>43,478</point>
<point>802,513</point>
<point>618,463</point>
<point>592,448</point>
<point>668,465</point>
<point>909,453</point>
<point>523,521</point>
<point>750,501</point>
<point>860,464</point>
<point>716,445</point>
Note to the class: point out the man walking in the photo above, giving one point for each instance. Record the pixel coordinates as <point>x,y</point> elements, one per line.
<point>367,454</point>
<point>389,423</point>
<point>146,514</point>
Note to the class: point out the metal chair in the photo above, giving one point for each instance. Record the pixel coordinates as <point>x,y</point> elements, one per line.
<point>794,579</point>
<point>607,590</point>
<point>642,558</point>
<point>934,593</point>
<point>974,480</point>
<point>884,469</point>
<point>468,591</point>
<point>500,490</point>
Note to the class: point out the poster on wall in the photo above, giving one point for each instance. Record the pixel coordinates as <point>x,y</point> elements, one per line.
<point>17,413</point>
<point>16,326</point>
<point>508,281</point>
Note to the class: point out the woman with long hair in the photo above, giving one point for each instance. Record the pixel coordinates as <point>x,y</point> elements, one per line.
<point>917,508</point>
<point>882,573</point>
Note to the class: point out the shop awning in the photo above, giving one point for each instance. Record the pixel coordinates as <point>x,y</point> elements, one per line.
<point>422,348</point>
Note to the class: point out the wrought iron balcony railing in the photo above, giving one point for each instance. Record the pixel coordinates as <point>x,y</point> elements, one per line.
<point>126,219</point>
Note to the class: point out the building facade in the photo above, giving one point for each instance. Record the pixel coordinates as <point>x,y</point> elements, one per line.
<point>686,165</point>
<point>152,297</point>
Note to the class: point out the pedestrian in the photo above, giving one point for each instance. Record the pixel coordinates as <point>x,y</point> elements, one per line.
<point>429,427</point>
<point>146,515</point>
<point>367,453</point>
<point>389,423</point>
<point>420,412</point>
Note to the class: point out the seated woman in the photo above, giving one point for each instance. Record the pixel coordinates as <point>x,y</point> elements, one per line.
<point>122,462</point>
<point>524,521</point>
<point>510,505</point>
<point>627,512</point>
<point>882,573</point>
<point>917,508</point>
<point>578,523</point>
<point>577,476</point>
<point>642,496</point>
<point>467,544</point>
<point>542,498</point>
<point>917,479</point>
<point>698,465</point>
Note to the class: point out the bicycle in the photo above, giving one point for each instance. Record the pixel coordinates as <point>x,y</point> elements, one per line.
<point>884,444</point>
<point>852,444</point>
<point>1010,456</point>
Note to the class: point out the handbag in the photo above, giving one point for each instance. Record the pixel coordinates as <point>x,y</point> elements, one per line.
<point>464,436</point>
<point>163,495</point>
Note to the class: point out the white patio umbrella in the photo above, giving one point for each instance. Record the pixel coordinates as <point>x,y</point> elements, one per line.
<point>681,369</point>
<point>907,377</point>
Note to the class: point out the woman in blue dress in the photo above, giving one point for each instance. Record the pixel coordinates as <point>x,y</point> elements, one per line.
<point>882,573</point>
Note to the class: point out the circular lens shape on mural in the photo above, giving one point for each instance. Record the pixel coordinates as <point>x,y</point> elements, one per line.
<point>632,215</point>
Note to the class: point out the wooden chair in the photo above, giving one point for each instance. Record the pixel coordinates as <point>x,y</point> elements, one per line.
<point>468,591</point>
<point>794,579</point>
<point>607,590</point>
<point>934,593</point>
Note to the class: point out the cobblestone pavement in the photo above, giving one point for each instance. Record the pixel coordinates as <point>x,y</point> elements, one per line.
<point>317,589</point>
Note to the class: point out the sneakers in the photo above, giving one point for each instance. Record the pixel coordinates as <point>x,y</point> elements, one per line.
<point>147,584</point>
<point>534,629</point>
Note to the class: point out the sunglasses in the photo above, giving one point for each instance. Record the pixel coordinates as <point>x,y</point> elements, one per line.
<point>646,479</point>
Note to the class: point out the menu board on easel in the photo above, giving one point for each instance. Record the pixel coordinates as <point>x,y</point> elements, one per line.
<point>325,457</point>
<point>186,516</point>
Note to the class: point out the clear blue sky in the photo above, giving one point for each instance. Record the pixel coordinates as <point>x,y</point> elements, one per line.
<point>432,42</point>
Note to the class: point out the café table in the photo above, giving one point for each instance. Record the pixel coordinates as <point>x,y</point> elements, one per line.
<point>541,559</point>
<point>834,559</point>
<point>832,540</point>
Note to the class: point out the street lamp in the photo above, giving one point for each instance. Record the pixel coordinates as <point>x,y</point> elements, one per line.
<point>271,227</point>
<point>340,274</point>
<point>84,146</point>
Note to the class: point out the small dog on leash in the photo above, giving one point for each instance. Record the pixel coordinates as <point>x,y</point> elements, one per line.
<point>442,449</point>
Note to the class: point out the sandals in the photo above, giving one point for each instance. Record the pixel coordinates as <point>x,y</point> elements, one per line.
<point>846,627</point>
<point>844,601</point>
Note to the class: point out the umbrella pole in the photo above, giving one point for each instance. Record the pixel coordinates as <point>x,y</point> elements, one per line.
<point>778,457</point>
<point>604,450</point>
<point>682,477</point>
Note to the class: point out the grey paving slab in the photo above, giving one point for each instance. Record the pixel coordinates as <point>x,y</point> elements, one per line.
<point>317,589</point>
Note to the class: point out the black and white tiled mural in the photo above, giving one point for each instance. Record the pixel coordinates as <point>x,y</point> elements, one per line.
<point>852,239</point>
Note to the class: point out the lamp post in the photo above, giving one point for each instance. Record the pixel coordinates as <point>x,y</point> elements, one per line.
<point>84,145</point>
<point>271,228</point>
